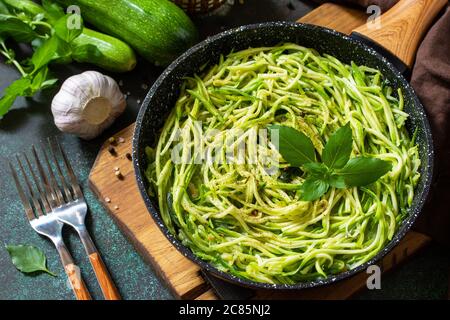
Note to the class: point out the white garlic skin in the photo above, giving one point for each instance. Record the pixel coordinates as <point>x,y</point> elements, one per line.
<point>87,104</point>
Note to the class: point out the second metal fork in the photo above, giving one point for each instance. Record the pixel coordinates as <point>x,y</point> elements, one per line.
<point>72,209</point>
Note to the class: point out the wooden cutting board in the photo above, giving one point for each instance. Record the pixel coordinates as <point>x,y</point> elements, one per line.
<point>123,201</point>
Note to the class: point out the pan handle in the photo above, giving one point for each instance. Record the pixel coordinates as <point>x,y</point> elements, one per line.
<point>403,27</point>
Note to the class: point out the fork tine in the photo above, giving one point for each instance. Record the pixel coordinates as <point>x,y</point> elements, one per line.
<point>23,197</point>
<point>47,191</point>
<point>73,179</point>
<point>36,204</point>
<point>42,196</point>
<point>53,184</point>
<point>65,187</point>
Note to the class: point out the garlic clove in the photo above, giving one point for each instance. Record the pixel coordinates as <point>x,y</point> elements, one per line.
<point>87,104</point>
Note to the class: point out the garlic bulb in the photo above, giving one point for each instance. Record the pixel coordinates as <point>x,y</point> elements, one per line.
<point>87,104</point>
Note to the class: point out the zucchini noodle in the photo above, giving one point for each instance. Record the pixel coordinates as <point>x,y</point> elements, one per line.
<point>250,222</point>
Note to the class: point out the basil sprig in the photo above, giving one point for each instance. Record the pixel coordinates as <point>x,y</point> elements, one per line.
<point>52,41</point>
<point>336,169</point>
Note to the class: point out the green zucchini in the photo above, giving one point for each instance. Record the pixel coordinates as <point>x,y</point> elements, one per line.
<point>113,54</point>
<point>157,29</point>
<point>110,53</point>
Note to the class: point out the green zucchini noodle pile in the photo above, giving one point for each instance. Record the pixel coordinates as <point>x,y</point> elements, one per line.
<point>251,223</point>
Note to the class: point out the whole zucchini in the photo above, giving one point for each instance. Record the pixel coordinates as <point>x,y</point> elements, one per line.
<point>115,55</point>
<point>157,29</point>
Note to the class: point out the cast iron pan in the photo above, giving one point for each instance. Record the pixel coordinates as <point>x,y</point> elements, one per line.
<point>163,94</point>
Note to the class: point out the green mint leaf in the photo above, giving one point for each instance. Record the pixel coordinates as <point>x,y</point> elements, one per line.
<point>11,26</point>
<point>362,171</point>
<point>294,146</point>
<point>64,31</point>
<point>338,148</point>
<point>312,189</point>
<point>28,258</point>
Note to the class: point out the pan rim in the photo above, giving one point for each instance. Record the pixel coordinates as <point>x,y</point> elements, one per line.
<point>400,233</point>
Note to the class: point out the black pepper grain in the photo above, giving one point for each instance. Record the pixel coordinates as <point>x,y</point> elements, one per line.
<point>112,151</point>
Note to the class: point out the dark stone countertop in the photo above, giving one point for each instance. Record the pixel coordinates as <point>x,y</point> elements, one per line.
<point>31,121</point>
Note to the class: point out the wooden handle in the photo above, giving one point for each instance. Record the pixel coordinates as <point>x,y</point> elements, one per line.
<point>403,27</point>
<point>77,283</point>
<point>334,16</point>
<point>107,285</point>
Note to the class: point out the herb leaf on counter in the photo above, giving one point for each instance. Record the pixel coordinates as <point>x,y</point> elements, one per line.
<point>28,259</point>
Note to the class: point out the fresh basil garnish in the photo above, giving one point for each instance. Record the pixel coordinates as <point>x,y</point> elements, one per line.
<point>336,169</point>
<point>295,147</point>
<point>338,148</point>
<point>362,171</point>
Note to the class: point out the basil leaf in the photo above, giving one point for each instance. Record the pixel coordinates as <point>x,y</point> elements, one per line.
<point>6,102</point>
<point>41,80</point>
<point>63,31</point>
<point>294,146</point>
<point>316,170</point>
<point>25,87</point>
<point>48,83</point>
<point>45,53</point>
<point>63,53</point>
<point>338,148</point>
<point>19,87</point>
<point>3,8</point>
<point>313,189</point>
<point>28,258</point>
<point>17,29</point>
<point>52,10</point>
<point>337,181</point>
<point>362,171</point>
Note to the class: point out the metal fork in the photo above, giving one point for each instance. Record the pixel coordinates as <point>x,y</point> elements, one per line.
<point>70,207</point>
<point>37,208</point>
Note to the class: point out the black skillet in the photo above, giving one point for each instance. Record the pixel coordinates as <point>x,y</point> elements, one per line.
<point>401,32</point>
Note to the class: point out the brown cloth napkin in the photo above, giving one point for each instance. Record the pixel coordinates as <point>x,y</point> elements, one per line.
<point>431,80</point>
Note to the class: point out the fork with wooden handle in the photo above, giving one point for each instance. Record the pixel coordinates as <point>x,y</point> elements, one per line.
<point>64,203</point>
<point>37,209</point>
<point>71,209</point>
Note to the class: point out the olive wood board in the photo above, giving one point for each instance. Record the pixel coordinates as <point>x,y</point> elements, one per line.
<point>123,202</point>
